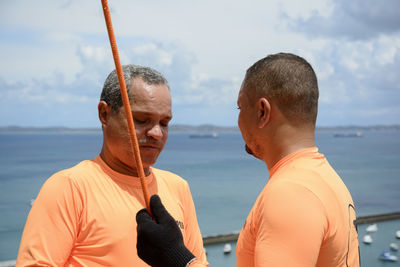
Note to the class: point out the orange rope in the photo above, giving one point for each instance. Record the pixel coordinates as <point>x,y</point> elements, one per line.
<point>125,100</point>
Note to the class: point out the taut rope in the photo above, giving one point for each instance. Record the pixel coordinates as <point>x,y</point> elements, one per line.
<point>127,107</point>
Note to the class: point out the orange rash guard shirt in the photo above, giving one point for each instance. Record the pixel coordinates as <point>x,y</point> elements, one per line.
<point>86,216</point>
<point>303,217</point>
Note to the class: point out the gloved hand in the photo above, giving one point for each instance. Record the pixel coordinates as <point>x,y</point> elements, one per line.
<point>160,242</point>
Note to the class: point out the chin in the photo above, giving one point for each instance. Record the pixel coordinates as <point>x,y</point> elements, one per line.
<point>251,152</point>
<point>147,163</point>
<point>248,150</point>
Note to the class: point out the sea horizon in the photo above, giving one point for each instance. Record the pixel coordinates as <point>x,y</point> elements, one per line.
<point>186,128</point>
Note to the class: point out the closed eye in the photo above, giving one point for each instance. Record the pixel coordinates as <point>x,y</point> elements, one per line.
<point>164,123</point>
<point>140,121</point>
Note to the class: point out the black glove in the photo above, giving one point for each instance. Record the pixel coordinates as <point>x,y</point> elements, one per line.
<point>160,242</point>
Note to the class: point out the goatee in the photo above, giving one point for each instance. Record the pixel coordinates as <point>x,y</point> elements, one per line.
<point>248,150</point>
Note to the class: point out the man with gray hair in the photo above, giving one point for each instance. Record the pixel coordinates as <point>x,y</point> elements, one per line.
<point>85,215</point>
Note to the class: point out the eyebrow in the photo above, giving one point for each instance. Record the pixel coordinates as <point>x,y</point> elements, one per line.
<point>148,114</point>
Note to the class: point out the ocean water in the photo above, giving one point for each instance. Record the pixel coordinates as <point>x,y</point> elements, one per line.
<point>224,180</point>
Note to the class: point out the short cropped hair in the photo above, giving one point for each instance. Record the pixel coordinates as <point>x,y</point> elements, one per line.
<point>290,82</point>
<point>111,93</point>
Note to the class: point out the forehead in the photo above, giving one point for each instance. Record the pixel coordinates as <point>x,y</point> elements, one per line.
<point>242,93</point>
<point>150,98</point>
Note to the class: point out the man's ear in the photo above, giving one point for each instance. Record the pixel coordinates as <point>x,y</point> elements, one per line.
<point>104,112</point>
<point>264,112</point>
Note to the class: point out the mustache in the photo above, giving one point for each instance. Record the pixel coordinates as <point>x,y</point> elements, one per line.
<point>149,142</point>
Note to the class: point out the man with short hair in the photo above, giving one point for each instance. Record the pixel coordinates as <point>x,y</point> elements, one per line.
<point>85,215</point>
<point>305,215</point>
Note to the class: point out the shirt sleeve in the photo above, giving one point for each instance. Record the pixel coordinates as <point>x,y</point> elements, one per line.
<point>193,238</point>
<point>52,224</point>
<point>292,225</point>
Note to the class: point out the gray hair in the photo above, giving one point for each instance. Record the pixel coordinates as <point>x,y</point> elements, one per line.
<point>290,81</point>
<point>111,93</point>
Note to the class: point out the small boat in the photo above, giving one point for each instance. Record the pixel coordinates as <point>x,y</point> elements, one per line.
<point>386,256</point>
<point>367,239</point>
<point>227,248</point>
<point>394,247</point>
<point>355,134</point>
<point>211,135</point>
<point>32,201</point>
<point>372,228</point>
<point>8,263</point>
<point>398,234</point>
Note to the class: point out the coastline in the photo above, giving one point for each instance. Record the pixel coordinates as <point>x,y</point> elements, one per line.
<point>183,128</point>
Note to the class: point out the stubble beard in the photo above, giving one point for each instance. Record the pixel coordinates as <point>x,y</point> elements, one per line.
<point>251,152</point>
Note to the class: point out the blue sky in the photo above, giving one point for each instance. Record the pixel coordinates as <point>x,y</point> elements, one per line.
<point>55,55</point>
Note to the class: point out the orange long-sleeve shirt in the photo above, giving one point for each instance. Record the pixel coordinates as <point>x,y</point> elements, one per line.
<point>303,217</point>
<point>85,216</point>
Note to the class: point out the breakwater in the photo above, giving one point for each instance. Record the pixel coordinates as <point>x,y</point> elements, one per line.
<point>232,237</point>
<point>221,238</point>
<point>377,218</point>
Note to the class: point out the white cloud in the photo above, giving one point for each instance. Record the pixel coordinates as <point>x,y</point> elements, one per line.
<point>61,52</point>
<point>302,10</point>
<point>387,49</point>
<point>162,56</point>
<point>355,20</point>
<point>96,54</point>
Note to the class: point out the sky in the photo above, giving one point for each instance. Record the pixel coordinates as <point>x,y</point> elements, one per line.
<point>55,55</point>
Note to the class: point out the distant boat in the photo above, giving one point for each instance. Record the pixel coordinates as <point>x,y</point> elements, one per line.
<point>394,247</point>
<point>211,135</point>
<point>355,134</point>
<point>227,248</point>
<point>398,234</point>
<point>10,263</point>
<point>372,228</point>
<point>32,201</point>
<point>367,239</point>
<point>386,256</point>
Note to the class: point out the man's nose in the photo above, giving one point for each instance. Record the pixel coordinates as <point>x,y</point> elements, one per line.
<point>155,132</point>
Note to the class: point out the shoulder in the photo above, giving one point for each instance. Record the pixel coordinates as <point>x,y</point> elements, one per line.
<point>286,207</point>
<point>61,191</point>
<point>82,170</point>
<point>289,198</point>
<point>168,176</point>
<point>171,183</point>
<point>71,177</point>
<point>299,180</point>
<point>288,191</point>
<point>82,167</point>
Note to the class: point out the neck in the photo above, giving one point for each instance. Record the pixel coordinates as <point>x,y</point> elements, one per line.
<point>120,166</point>
<point>286,141</point>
